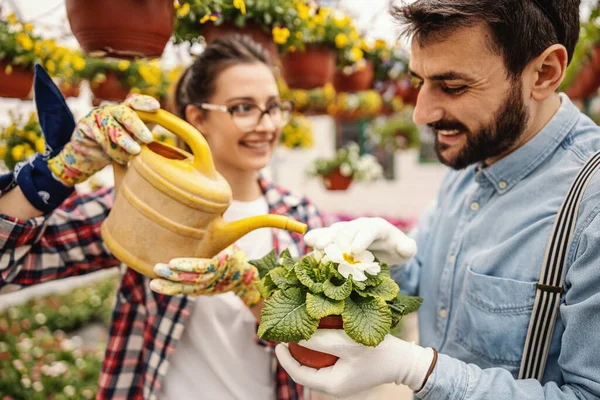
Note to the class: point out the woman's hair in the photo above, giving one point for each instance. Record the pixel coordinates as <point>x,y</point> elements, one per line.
<point>197,83</point>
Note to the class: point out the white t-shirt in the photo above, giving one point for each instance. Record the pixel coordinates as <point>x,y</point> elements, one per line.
<point>216,357</point>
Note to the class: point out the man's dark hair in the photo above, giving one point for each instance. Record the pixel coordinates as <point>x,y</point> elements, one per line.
<point>521,29</point>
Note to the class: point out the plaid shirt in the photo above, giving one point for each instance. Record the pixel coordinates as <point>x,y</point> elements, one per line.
<point>146,326</point>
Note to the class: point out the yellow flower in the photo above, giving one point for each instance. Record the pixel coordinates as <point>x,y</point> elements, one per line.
<point>28,27</point>
<point>40,145</point>
<point>303,11</point>
<point>205,18</point>
<point>341,22</point>
<point>280,34</point>
<point>183,10</point>
<point>12,19</point>
<point>17,152</point>
<point>8,69</point>
<point>78,63</point>
<point>123,65</point>
<point>37,48</point>
<point>2,150</point>
<point>32,136</point>
<point>380,44</point>
<point>341,40</point>
<point>356,54</point>
<point>239,4</point>
<point>24,41</point>
<point>29,153</point>
<point>149,74</point>
<point>50,67</point>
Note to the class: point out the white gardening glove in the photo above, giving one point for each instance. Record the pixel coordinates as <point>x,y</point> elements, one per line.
<point>359,367</point>
<point>388,243</point>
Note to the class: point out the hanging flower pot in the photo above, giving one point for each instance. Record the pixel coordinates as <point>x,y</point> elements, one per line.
<point>308,69</point>
<point>17,84</point>
<point>111,89</point>
<point>356,81</point>
<point>336,181</point>
<point>407,91</point>
<point>212,32</point>
<point>122,29</point>
<point>312,358</point>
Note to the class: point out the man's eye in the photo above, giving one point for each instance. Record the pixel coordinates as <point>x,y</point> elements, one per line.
<point>454,90</point>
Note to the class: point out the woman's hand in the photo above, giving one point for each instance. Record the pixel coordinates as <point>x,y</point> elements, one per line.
<point>229,271</point>
<point>107,133</point>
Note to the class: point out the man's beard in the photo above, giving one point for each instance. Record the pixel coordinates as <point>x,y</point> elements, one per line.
<point>491,141</point>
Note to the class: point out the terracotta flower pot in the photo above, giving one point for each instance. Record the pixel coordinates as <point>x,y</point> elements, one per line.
<point>69,89</point>
<point>317,359</point>
<point>122,29</point>
<point>212,32</point>
<point>585,84</point>
<point>356,81</point>
<point>110,90</point>
<point>308,69</point>
<point>408,93</point>
<point>18,84</point>
<point>336,181</point>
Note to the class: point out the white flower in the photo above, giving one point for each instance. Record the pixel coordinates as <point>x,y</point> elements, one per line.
<point>40,318</point>
<point>355,264</point>
<point>26,382</point>
<point>69,390</point>
<point>38,386</point>
<point>345,169</point>
<point>317,255</point>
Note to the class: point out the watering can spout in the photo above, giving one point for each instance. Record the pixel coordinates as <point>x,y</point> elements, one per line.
<point>223,234</point>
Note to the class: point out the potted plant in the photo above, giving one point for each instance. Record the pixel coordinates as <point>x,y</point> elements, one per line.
<point>309,57</point>
<point>113,80</point>
<point>357,105</point>
<point>334,289</point>
<point>346,166</point>
<point>70,65</point>
<point>298,133</point>
<point>355,71</point>
<point>121,29</point>
<point>312,101</point>
<point>394,132</point>
<point>20,139</point>
<point>18,53</point>
<point>261,20</point>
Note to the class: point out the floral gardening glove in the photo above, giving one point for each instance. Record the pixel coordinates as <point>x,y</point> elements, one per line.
<point>107,133</point>
<point>229,271</point>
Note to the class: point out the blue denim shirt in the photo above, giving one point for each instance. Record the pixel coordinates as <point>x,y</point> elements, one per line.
<point>480,251</point>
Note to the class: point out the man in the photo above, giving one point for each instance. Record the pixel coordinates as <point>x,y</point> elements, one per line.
<point>489,71</point>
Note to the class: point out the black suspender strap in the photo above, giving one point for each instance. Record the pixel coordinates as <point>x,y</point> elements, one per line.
<point>550,285</point>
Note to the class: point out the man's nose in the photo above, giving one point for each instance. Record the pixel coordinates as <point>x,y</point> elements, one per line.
<point>428,109</point>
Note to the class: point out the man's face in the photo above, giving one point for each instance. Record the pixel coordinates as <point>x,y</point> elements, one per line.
<point>476,112</point>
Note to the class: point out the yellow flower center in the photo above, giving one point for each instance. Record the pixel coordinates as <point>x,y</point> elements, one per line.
<point>350,259</point>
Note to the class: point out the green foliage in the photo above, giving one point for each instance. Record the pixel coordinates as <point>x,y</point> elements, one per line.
<point>297,298</point>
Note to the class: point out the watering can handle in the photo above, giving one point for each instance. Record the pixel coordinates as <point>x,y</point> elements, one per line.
<point>203,161</point>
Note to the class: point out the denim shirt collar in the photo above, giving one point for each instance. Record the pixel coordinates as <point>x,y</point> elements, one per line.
<point>507,172</point>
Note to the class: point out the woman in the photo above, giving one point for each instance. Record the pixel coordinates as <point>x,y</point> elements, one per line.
<point>162,346</point>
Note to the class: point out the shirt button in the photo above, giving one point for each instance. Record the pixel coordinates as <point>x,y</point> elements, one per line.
<point>452,259</point>
<point>474,206</point>
<point>502,185</point>
<point>443,313</point>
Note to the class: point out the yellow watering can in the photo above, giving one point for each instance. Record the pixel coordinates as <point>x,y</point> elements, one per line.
<point>170,203</point>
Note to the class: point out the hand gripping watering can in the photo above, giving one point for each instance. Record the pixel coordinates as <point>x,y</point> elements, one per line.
<point>170,203</point>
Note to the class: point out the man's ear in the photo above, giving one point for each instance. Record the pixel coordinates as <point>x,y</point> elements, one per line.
<point>196,117</point>
<point>549,69</point>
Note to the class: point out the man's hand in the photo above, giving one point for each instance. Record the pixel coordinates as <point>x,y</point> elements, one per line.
<point>107,133</point>
<point>227,272</point>
<point>388,243</point>
<point>359,367</point>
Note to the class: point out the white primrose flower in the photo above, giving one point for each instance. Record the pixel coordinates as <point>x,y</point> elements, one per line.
<point>355,264</point>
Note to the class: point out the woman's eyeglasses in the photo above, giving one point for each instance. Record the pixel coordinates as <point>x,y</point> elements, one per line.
<point>247,116</point>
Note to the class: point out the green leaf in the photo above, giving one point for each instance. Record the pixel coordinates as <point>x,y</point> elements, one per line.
<point>374,280</point>
<point>266,287</point>
<point>367,319</point>
<point>387,290</point>
<point>265,264</point>
<point>286,260</point>
<point>319,306</point>
<point>403,305</point>
<point>279,276</point>
<point>336,292</point>
<point>285,319</point>
<point>332,271</point>
<point>357,284</point>
<point>305,271</point>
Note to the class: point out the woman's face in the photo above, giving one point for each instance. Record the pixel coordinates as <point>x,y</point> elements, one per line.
<point>236,147</point>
